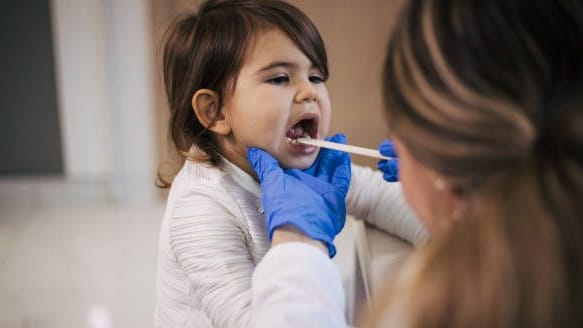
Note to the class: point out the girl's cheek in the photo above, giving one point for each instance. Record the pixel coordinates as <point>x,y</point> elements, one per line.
<point>325,127</point>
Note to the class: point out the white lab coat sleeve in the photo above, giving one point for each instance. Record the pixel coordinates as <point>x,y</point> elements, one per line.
<point>382,204</point>
<point>297,285</point>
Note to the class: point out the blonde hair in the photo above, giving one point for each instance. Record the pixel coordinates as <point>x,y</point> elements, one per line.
<point>488,94</point>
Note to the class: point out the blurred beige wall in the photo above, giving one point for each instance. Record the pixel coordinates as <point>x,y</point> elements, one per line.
<point>355,34</point>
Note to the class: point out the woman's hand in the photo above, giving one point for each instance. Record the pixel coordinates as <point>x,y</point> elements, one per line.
<point>390,167</point>
<point>311,201</point>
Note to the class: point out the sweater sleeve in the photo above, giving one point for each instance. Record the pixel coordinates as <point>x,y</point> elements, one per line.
<point>297,285</point>
<point>382,204</point>
<point>209,244</point>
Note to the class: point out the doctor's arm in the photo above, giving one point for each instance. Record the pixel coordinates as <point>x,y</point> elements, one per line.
<point>296,284</point>
<point>382,204</point>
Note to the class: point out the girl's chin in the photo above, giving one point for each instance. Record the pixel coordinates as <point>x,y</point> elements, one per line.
<point>298,163</point>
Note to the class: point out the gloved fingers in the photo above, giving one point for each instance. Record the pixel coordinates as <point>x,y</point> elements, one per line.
<point>331,163</point>
<point>327,159</point>
<point>337,138</point>
<point>333,166</point>
<point>262,162</point>
<point>390,169</point>
<point>323,157</point>
<point>390,177</point>
<point>314,183</point>
<point>341,173</point>
<point>388,165</point>
<point>387,148</point>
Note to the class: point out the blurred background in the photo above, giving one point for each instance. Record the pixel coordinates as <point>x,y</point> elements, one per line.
<point>83,130</point>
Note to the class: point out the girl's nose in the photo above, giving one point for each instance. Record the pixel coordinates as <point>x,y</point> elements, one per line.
<point>306,92</point>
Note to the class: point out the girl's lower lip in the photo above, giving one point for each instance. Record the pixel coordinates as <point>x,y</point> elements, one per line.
<point>299,149</point>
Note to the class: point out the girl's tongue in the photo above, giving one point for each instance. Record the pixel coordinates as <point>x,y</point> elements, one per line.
<point>296,131</point>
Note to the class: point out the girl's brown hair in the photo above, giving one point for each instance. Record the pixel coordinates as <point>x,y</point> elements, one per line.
<point>489,94</point>
<point>207,49</point>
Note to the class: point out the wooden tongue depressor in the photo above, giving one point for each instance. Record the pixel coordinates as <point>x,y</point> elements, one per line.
<point>346,148</point>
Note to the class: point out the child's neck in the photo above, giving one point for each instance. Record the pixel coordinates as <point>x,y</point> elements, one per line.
<point>238,158</point>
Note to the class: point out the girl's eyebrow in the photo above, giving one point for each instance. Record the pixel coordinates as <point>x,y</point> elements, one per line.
<point>277,64</point>
<point>284,64</point>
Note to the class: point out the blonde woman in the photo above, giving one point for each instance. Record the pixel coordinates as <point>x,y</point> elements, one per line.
<point>485,105</point>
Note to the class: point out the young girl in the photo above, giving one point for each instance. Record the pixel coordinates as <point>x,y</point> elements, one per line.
<point>242,74</point>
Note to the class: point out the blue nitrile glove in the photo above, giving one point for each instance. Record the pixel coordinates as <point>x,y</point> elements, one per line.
<point>324,168</point>
<point>390,167</point>
<point>313,204</point>
<point>327,158</point>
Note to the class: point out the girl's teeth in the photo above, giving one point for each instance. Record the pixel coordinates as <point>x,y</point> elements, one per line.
<point>295,141</point>
<point>297,132</point>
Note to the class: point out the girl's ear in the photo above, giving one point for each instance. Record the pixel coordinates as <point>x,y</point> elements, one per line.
<point>205,104</point>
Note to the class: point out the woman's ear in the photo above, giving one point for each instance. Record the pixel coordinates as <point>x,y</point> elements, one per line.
<point>205,104</point>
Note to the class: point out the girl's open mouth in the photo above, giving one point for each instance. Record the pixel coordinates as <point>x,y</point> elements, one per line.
<point>304,128</point>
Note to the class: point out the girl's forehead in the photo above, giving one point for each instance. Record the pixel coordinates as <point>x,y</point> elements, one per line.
<point>270,45</point>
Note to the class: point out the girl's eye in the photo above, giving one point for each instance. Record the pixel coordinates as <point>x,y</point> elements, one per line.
<point>317,79</point>
<point>279,80</point>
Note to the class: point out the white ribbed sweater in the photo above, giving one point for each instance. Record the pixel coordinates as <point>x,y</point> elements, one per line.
<point>213,235</point>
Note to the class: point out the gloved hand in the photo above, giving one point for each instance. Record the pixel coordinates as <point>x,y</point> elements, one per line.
<point>390,167</point>
<point>313,201</point>
<point>327,158</point>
